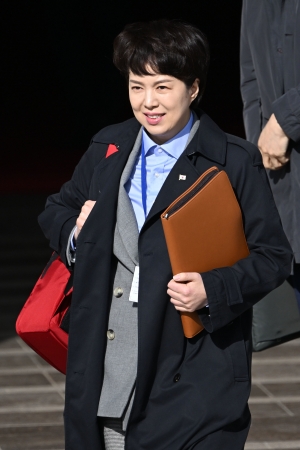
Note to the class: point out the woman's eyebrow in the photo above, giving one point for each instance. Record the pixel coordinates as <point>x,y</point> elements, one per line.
<point>156,82</point>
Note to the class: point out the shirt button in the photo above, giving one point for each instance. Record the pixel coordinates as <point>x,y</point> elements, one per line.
<point>118,292</point>
<point>159,150</point>
<point>279,50</point>
<point>157,175</point>
<point>110,334</point>
<point>177,377</point>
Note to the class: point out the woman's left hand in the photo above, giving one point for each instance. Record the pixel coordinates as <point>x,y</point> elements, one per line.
<point>273,144</point>
<point>187,292</point>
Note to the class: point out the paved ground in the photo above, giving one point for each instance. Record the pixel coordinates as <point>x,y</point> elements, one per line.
<point>275,398</point>
<point>32,392</point>
<point>31,400</point>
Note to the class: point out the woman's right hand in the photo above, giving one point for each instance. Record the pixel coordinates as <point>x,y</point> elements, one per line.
<point>84,214</point>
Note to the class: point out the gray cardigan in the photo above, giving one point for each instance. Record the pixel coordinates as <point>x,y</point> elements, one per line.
<point>120,363</point>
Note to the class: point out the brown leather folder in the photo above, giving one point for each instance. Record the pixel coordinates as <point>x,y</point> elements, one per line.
<point>204,231</point>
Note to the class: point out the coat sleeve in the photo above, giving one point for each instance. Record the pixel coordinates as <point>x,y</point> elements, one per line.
<point>233,290</point>
<point>62,209</point>
<point>249,86</point>
<point>287,112</point>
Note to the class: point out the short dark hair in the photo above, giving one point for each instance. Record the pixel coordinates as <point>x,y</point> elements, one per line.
<point>169,47</point>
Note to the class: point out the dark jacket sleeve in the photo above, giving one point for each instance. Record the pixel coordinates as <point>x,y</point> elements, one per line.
<point>62,209</point>
<point>249,87</point>
<point>287,112</point>
<point>233,290</point>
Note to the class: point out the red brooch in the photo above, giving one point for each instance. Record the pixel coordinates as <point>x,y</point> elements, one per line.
<point>112,148</point>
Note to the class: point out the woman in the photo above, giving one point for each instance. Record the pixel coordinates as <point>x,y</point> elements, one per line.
<point>133,380</point>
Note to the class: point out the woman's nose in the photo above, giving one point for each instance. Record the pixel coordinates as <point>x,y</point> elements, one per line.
<point>150,100</point>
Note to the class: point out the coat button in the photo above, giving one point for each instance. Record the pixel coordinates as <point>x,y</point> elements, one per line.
<point>118,292</point>
<point>110,334</point>
<point>177,377</point>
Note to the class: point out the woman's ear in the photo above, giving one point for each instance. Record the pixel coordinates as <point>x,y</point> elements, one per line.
<point>194,89</point>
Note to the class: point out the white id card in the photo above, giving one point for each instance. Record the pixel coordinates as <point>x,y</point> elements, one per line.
<point>134,291</point>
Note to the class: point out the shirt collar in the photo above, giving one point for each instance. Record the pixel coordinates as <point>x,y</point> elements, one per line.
<point>175,146</point>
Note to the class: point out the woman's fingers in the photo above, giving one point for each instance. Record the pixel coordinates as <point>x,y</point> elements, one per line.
<point>84,213</point>
<point>187,292</point>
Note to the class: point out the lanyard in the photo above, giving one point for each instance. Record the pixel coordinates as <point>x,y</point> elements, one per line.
<point>144,179</point>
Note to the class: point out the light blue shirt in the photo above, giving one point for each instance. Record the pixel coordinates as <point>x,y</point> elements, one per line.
<point>160,160</point>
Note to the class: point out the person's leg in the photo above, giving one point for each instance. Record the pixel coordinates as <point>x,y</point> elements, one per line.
<point>114,436</point>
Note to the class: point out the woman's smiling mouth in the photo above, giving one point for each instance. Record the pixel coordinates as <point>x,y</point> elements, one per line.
<point>153,119</point>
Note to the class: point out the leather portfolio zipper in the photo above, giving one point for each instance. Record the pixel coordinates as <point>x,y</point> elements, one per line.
<point>189,195</point>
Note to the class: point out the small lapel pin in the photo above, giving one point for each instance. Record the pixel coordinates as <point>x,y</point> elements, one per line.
<point>112,148</point>
<point>182,177</point>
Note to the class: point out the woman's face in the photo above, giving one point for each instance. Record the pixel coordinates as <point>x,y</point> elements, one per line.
<point>161,103</point>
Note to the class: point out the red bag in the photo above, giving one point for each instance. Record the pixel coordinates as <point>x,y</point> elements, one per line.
<point>39,322</point>
<point>42,322</point>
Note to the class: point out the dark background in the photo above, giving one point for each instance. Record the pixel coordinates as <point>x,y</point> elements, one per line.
<point>60,86</point>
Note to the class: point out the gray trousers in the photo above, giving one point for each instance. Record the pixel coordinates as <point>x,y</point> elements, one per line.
<point>114,436</point>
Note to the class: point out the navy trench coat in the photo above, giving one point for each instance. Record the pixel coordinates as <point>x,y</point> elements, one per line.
<point>190,393</point>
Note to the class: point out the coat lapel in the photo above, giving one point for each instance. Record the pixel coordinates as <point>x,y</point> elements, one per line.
<point>126,228</point>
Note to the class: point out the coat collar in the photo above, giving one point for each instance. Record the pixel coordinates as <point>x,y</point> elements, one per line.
<point>209,140</point>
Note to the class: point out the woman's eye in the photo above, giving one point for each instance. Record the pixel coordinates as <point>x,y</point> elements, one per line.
<point>136,88</point>
<point>162,88</point>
